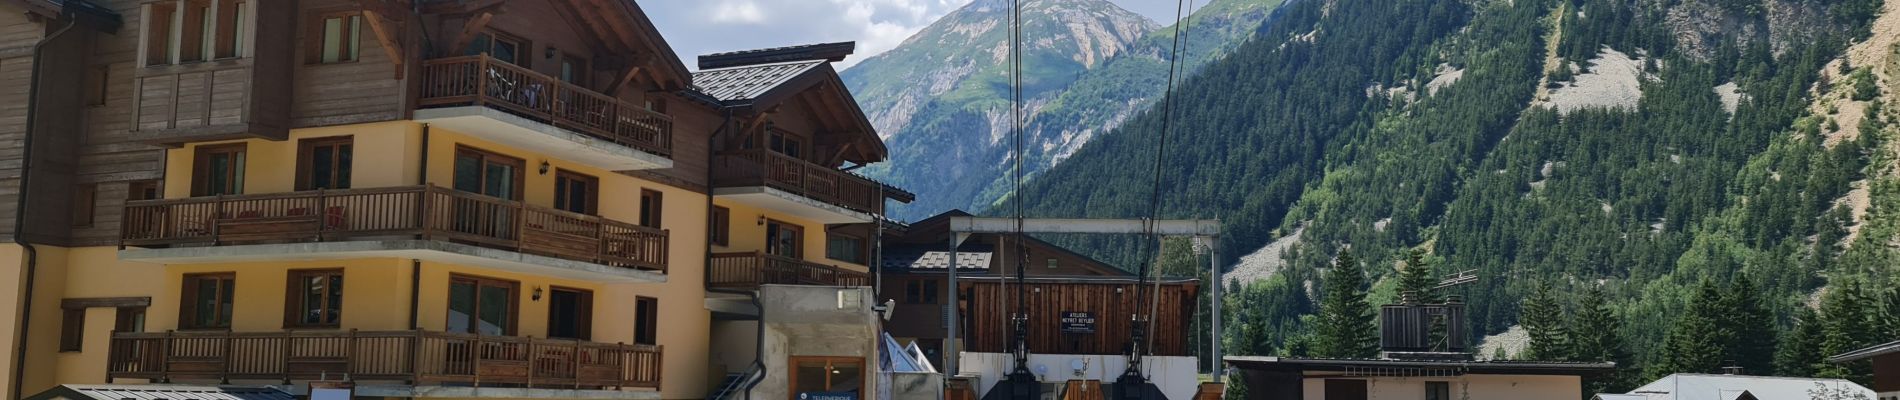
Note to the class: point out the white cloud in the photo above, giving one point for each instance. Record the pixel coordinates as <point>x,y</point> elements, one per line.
<point>745,12</point>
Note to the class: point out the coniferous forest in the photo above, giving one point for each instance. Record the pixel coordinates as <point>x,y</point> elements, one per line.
<point>1683,231</point>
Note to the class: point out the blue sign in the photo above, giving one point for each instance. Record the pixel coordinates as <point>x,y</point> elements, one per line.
<point>1078,322</point>
<point>828,396</point>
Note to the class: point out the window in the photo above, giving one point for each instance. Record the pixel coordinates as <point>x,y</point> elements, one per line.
<point>646,320</point>
<point>72,329</point>
<point>845,248</point>
<point>1053,264</point>
<point>1437,390</point>
<point>218,170</point>
<point>324,163</point>
<point>487,173</point>
<point>208,301</point>
<point>158,33</point>
<point>196,28</point>
<point>481,305</point>
<point>784,143</point>
<point>129,319</point>
<point>570,314</point>
<point>574,70</point>
<point>650,202</point>
<point>1345,389</point>
<point>576,192</point>
<point>783,239</point>
<point>228,39</point>
<point>335,38</point>
<point>922,291</point>
<point>316,299</point>
<point>721,226</point>
<point>828,374</point>
<point>500,46</point>
<point>96,85</point>
<point>144,190</point>
<point>84,201</point>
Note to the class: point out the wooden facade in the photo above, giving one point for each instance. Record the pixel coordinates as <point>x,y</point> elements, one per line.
<point>988,304</point>
<point>749,270</point>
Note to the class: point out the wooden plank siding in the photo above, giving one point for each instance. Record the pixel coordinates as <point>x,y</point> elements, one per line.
<point>366,90</point>
<point>987,309</point>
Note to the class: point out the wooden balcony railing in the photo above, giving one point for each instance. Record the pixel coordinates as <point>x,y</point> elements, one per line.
<point>424,212</point>
<point>485,81</point>
<point>417,357</point>
<point>758,167</point>
<point>749,270</point>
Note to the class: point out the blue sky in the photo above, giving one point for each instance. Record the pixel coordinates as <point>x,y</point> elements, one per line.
<point>697,27</point>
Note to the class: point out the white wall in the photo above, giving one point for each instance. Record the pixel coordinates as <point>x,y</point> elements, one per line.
<point>1478,387</point>
<point>1176,376</point>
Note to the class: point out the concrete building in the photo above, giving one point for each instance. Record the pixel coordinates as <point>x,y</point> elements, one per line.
<point>1742,387</point>
<point>1886,360</point>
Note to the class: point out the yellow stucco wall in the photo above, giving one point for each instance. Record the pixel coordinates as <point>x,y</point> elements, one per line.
<point>383,154</point>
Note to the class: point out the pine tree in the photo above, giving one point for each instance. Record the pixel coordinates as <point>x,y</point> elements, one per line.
<point>1416,278</point>
<point>1345,325</point>
<point>1850,316</point>
<point>1543,318</point>
<point>1694,344</point>
<point>1890,320</point>
<point>1236,389</point>
<point>1750,342</point>
<point>1599,339</point>
<point>1800,350</point>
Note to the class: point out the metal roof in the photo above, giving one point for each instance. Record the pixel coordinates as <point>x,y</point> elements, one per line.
<point>1870,352</point>
<point>833,52</point>
<point>163,392</point>
<point>1729,387</point>
<point>1466,367</point>
<point>749,82</point>
<point>920,257</point>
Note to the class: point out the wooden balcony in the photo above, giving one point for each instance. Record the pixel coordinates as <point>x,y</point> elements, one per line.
<point>416,357</point>
<point>486,82</point>
<point>749,270</point>
<point>762,168</point>
<point>420,212</point>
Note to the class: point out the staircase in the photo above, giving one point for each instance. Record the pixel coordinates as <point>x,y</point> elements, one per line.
<point>731,388</point>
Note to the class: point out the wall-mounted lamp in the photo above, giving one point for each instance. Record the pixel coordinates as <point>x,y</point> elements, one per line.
<point>544,167</point>
<point>550,53</point>
<point>1118,290</point>
<point>537,294</point>
<point>761,219</point>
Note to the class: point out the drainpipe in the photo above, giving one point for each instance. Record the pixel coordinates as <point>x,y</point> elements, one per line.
<point>422,173</point>
<point>19,211</point>
<point>415,292</point>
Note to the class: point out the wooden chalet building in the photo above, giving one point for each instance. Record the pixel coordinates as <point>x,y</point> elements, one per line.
<point>426,198</point>
<point>1886,361</point>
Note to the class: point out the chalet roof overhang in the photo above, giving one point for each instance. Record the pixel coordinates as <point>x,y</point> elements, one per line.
<point>84,12</point>
<point>821,87</point>
<point>1866,353</point>
<point>1305,365</point>
<point>618,27</point>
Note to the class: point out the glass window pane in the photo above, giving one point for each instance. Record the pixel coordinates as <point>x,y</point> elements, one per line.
<point>313,299</point>
<point>506,51</point>
<point>205,310</point>
<point>343,164</point>
<point>500,181</point>
<point>461,306</point>
<point>220,167</point>
<point>468,173</point>
<point>237,31</point>
<point>354,45</point>
<point>846,377</point>
<point>477,46</point>
<point>335,302</point>
<point>332,39</point>
<point>494,310</point>
<point>809,376</point>
<point>237,174</point>
<point>322,165</point>
<point>226,297</point>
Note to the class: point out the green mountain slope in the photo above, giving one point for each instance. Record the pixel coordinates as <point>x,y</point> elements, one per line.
<point>1639,146</point>
<point>942,97</point>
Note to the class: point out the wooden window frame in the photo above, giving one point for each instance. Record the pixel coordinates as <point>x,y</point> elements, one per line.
<point>128,319</point>
<point>191,34</point>
<point>652,207</point>
<point>485,157</point>
<point>798,238</point>
<point>564,178</point>
<point>914,291</point>
<point>294,304</point>
<point>315,35</point>
<point>514,302</point>
<point>721,226</point>
<point>581,68</point>
<point>188,310</point>
<point>85,205</point>
<point>161,26</point>
<point>524,48</point>
<point>201,167</point>
<point>586,320</point>
<point>646,320</point>
<point>72,330</point>
<point>1430,385</point>
<point>306,161</point>
<point>227,38</point>
<point>863,253</point>
<point>791,369</point>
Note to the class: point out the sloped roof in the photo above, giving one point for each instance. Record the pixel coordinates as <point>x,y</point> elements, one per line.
<point>1729,387</point>
<point>737,84</point>
<point>1870,352</point>
<point>924,257</point>
<point>162,392</point>
<point>833,52</point>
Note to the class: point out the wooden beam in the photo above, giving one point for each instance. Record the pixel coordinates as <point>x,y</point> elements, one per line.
<point>460,7</point>
<point>603,38</point>
<point>625,79</point>
<point>387,36</point>
<point>473,27</point>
